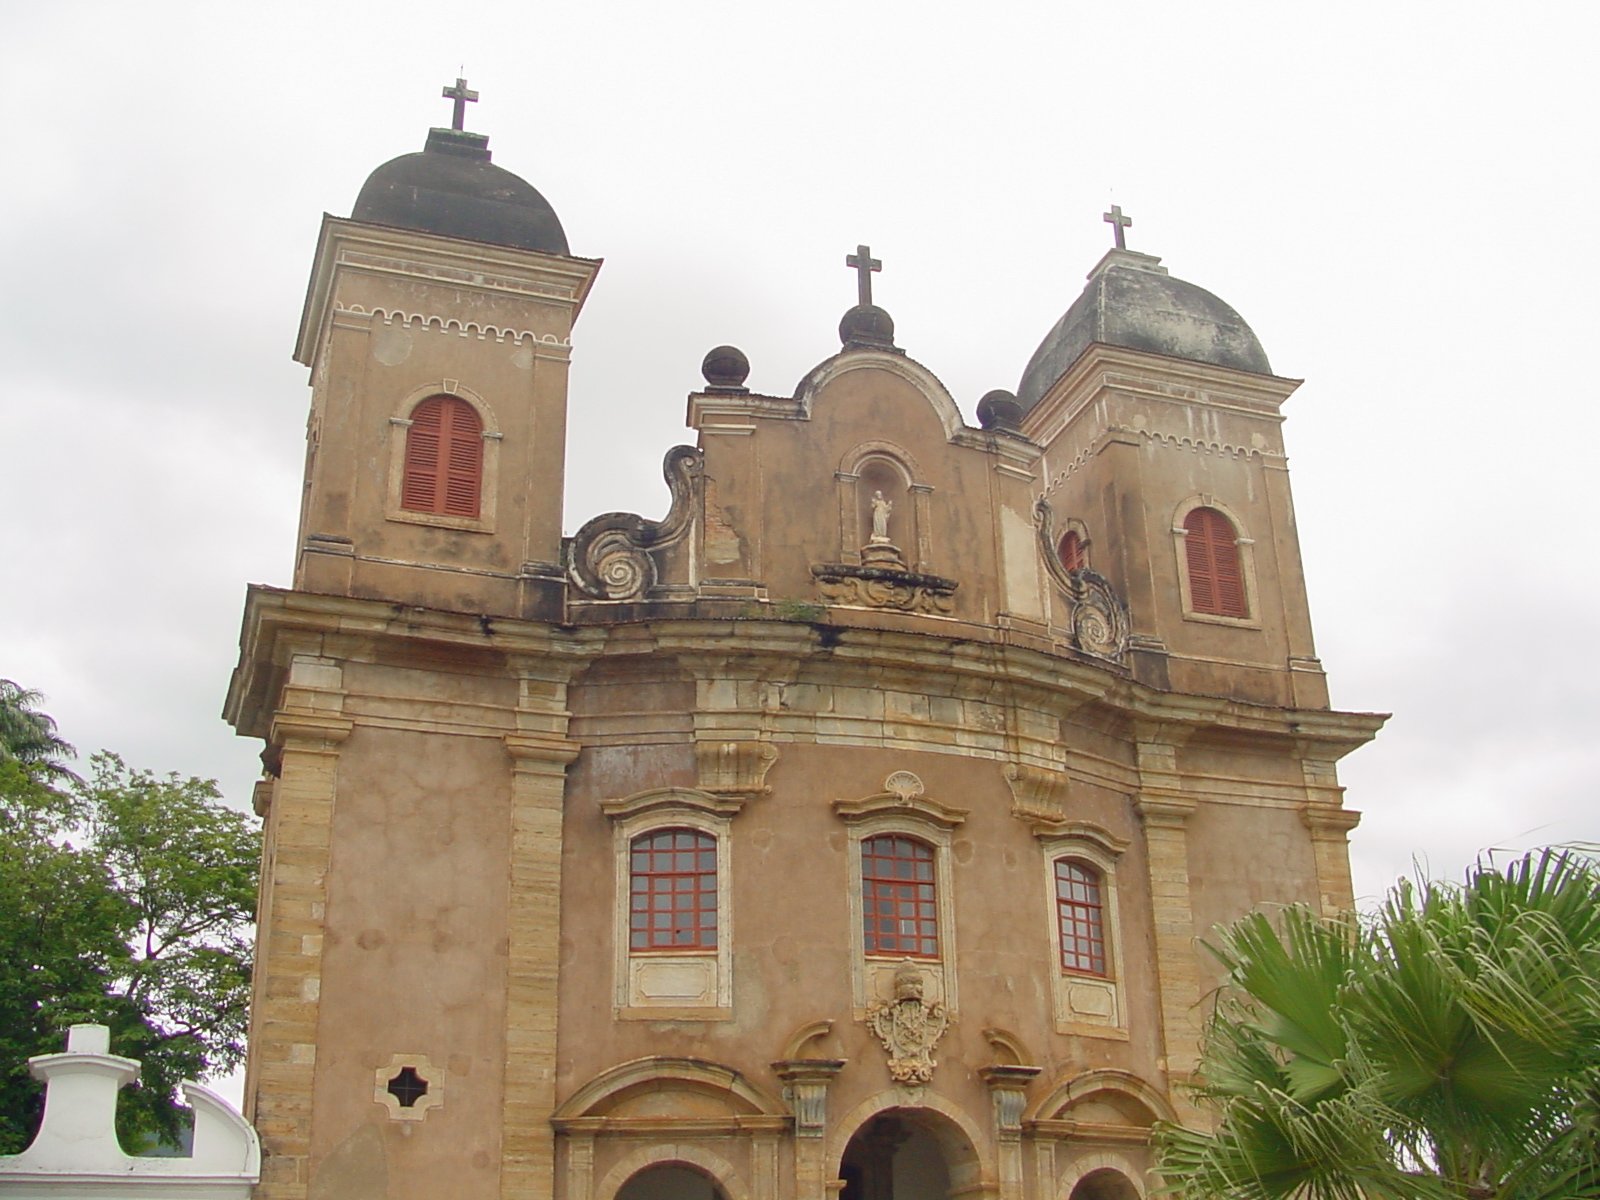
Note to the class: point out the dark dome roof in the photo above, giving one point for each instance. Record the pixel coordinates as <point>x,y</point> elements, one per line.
<point>452,188</point>
<point>1131,301</point>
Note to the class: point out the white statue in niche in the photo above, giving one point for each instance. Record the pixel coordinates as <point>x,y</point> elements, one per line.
<point>881,509</point>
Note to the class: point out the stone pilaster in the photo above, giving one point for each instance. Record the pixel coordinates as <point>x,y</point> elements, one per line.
<point>1008,1097</point>
<point>580,1166</point>
<point>283,1025</point>
<point>764,1175</point>
<point>540,753</point>
<point>1330,824</point>
<point>1165,812</point>
<point>805,1087</point>
<point>1330,845</point>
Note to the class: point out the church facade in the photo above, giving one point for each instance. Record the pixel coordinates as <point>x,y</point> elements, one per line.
<point>845,831</point>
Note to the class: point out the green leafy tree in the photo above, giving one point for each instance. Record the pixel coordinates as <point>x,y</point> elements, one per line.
<point>29,737</point>
<point>124,899</point>
<point>1447,1048</point>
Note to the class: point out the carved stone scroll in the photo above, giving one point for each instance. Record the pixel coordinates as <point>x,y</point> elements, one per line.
<point>1097,618</point>
<point>610,558</point>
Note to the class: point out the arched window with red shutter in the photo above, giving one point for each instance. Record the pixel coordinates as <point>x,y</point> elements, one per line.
<point>1216,576</point>
<point>1072,551</point>
<point>444,459</point>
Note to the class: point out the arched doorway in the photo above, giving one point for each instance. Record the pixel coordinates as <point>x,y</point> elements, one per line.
<point>1104,1185</point>
<point>670,1181</point>
<point>906,1154</point>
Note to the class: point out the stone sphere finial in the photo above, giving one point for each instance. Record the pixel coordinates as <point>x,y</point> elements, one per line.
<point>867,325</point>
<point>1000,409</point>
<point>725,368</point>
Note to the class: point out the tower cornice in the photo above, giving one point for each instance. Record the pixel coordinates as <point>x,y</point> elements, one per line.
<point>347,246</point>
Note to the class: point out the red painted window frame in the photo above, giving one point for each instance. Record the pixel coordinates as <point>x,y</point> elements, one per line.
<point>899,897</point>
<point>1216,574</point>
<point>443,472</point>
<point>1081,917</point>
<point>672,891</point>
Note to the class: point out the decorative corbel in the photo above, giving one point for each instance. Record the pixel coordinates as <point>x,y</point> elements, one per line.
<point>1037,794</point>
<point>734,768</point>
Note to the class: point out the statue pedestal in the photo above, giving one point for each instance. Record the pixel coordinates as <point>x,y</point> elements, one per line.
<point>883,554</point>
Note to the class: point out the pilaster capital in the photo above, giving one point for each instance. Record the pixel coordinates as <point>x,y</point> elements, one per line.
<point>1008,1085</point>
<point>531,751</point>
<point>1164,811</point>
<point>309,732</point>
<point>1329,822</point>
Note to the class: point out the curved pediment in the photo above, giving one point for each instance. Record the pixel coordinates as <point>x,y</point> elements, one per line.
<point>923,381</point>
<point>661,1086</point>
<point>1108,1100</point>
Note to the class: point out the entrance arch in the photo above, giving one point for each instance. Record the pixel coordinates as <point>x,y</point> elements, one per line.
<point>1105,1184</point>
<point>907,1154</point>
<point>670,1181</point>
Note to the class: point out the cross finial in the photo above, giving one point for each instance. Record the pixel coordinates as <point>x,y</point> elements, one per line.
<point>463,97</point>
<point>864,264</point>
<point>1118,223</point>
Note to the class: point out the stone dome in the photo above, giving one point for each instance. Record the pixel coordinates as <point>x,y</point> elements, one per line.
<point>452,189</point>
<point>1131,301</point>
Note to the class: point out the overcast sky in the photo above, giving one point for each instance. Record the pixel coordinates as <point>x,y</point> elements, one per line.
<point>1400,199</point>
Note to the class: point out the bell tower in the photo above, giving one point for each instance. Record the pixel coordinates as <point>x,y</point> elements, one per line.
<point>1166,471</point>
<point>437,328</point>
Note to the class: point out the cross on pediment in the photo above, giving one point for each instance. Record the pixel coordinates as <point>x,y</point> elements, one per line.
<point>463,97</point>
<point>864,264</point>
<point>1118,223</point>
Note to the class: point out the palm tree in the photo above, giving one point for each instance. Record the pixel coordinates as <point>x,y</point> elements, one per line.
<point>29,737</point>
<point>1449,1047</point>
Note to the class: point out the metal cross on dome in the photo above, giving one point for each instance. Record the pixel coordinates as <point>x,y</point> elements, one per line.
<point>463,97</point>
<point>1118,223</point>
<point>864,264</point>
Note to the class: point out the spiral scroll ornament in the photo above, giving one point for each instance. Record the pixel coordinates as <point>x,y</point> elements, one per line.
<point>611,557</point>
<point>1097,618</point>
<point>625,571</point>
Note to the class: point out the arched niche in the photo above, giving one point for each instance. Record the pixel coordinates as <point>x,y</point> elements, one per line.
<point>875,472</point>
<point>886,1150</point>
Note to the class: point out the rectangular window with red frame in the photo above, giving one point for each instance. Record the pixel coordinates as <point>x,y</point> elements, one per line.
<point>899,900</point>
<point>673,891</point>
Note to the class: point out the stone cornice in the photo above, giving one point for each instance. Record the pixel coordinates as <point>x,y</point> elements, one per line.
<point>959,664</point>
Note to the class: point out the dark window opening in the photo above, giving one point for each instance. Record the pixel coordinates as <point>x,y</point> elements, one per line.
<point>408,1087</point>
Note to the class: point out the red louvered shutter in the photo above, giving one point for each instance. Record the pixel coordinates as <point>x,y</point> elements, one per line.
<point>1071,552</point>
<point>463,461</point>
<point>421,480</point>
<point>1216,578</point>
<point>444,459</point>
